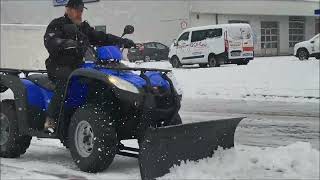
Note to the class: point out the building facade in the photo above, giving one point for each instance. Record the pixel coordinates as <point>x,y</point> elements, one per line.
<point>277,24</point>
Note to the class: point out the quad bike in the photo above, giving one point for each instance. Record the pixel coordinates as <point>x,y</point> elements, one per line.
<point>106,102</point>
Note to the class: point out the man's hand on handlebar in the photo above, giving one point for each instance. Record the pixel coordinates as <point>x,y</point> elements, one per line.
<point>127,43</point>
<point>70,44</point>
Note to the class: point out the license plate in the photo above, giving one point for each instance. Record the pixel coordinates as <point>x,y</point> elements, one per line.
<point>247,54</point>
<point>133,50</point>
<point>235,53</point>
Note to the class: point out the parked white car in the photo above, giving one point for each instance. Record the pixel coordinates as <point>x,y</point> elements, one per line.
<point>213,45</point>
<point>310,48</point>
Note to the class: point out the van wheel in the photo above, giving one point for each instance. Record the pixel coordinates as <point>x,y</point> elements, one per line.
<point>131,60</point>
<point>147,59</point>
<point>12,143</point>
<point>175,62</point>
<point>203,65</point>
<point>244,62</point>
<point>213,62</point>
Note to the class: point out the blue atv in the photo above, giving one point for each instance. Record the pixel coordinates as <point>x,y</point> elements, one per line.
<point>106,102</point>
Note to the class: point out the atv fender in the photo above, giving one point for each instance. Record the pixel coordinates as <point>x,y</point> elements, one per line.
<point>92,74</point>
<point>20,97</point>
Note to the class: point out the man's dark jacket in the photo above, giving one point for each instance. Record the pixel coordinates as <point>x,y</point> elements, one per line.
<point>57,38</point>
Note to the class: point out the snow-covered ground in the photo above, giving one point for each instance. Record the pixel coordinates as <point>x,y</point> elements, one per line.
<point>278,140</point>
<point>295,161</point>
<point>263,79</point>
<point>48,159</point>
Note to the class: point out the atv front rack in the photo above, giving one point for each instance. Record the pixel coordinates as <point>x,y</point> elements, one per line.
<point>27,71</point>
<point>134,69</point>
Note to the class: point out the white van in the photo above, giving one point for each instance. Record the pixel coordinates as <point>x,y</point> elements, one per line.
<point>213,45</point>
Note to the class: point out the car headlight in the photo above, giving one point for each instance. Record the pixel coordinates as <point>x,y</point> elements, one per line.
<point>123,84</point>
<point>175,83</point>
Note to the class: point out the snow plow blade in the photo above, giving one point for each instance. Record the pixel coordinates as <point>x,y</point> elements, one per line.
<point>167,146</point>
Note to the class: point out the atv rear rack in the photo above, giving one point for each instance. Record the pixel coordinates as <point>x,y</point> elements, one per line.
<point>18,71</point>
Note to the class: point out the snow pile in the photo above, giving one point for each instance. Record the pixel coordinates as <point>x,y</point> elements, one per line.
<point>265,78</point>
<point>295,161</point>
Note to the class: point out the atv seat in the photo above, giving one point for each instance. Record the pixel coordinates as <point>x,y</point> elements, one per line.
<point>42,80</point>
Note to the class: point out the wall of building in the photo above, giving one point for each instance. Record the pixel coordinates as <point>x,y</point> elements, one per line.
<point>310,27</point>
<point>22,47</point>
<point>154,20</point>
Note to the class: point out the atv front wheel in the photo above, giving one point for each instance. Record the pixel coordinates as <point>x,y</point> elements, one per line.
<point>12,143</point>
<point>92,140</point>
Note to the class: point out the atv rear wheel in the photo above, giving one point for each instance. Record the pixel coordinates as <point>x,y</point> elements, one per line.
<point>93,141</point>
<point>12,143</point>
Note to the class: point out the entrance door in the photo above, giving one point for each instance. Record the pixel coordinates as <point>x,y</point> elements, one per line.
<point>270,38</point>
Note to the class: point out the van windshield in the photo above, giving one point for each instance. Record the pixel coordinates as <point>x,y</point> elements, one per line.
<point>239,33</point>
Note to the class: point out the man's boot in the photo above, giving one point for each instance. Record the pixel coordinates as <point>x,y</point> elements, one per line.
<point>50,125</point>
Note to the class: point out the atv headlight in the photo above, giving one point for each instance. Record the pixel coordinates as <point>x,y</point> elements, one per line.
<point>175,83</point>
<point>123,84</point>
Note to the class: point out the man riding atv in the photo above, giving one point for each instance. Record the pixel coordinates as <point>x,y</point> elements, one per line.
<point>99,103</point>
<point>66,53</point>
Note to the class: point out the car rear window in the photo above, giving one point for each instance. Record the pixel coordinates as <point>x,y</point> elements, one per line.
<point>150,45</point>
<point>160,46</point>
<point>212,33</point>
<point>239,33</point>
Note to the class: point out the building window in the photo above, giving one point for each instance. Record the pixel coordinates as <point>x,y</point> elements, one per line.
<point>237,21</point>
<point>296,30</point>
<point>269,35</point>
<point>102,28</point>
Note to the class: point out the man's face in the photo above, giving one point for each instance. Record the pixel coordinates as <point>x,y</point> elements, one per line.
<point>75,15</point>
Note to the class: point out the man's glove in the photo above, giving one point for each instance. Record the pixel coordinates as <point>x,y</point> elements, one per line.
<point>127,43</point>
<point>70,44</point>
